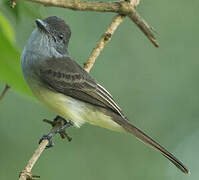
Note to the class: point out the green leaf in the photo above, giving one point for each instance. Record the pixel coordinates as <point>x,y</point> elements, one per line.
<point>10,70</point>
<point>6,28</point>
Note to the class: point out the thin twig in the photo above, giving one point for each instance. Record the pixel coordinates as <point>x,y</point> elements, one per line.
<point>144,27</point>
<point>4,91</point>
<point>122,7</point>
<point>26,174</point>
<point>13,3</point>
<point>105,38</point>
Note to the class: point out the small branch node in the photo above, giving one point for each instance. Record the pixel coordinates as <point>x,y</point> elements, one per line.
<point>13,3</point>
<point>107,36</point>
<point>24,175</point>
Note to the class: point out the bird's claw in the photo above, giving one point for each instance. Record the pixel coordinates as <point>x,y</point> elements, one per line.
<point>62,125</point>
<point>50,140</point>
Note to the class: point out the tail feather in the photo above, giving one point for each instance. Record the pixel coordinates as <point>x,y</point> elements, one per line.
<point>146,139</point>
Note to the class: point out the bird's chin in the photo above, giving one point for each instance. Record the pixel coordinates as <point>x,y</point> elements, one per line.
<point>42,32</point>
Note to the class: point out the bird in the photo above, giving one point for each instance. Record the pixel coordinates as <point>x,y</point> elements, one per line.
<point>63,86</point>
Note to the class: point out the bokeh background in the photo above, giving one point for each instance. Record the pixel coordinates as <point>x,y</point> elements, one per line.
<point>157,88</point>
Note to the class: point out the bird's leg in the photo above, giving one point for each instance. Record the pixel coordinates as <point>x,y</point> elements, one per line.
<point>63,133</point>
<point>62,125</point>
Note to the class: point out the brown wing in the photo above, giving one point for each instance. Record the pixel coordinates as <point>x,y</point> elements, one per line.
<point>65,76</point>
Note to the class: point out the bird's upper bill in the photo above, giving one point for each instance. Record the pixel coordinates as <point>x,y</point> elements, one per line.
<point>42,25</point>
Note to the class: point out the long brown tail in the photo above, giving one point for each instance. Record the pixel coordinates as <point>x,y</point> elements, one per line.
<point>146,139</point>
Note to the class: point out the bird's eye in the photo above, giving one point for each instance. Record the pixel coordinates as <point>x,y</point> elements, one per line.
<point>61,36</point>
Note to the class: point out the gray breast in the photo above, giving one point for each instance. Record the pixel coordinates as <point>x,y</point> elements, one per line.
<point>38,48</point>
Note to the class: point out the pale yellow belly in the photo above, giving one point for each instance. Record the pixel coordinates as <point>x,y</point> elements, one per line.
<point>74,110</point>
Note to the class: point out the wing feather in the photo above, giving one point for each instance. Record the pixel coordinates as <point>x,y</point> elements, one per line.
<point>65,76</point>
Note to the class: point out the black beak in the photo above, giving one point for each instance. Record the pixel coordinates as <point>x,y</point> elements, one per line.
<point>43,26</point>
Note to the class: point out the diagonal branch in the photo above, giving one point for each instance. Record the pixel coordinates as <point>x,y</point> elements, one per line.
<point>26,174</point>
<point>105,38</point>
<point>144,27</point>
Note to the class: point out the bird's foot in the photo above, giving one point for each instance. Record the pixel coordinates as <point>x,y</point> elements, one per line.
<point>61,124</point>
<point>62,130</point>
<point>64,124</point>
<point>49,137</point>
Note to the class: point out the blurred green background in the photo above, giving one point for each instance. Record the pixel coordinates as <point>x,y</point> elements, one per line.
<point>157,88</point>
